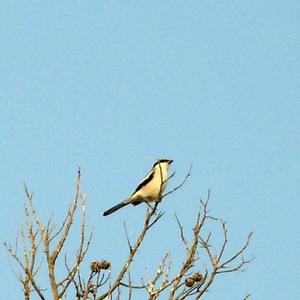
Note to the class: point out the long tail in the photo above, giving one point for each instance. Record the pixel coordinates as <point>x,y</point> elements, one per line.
<point>116,207</point>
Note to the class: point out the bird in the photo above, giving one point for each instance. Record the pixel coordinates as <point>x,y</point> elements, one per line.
<point>150,188</point>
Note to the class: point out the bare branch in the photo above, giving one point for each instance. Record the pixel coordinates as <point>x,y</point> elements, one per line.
<point>190,258</point>
<point>238,253</point>
<point>182,233</point>
<point>135,247</point>
<point>181,184</point>
<point>225,240</point>
<point>82,250</point>
<point>126,233</point>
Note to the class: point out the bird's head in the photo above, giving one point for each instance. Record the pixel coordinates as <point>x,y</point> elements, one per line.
<point>163,161</point>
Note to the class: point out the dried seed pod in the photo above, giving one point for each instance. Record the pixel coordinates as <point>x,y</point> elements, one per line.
<point>189,282</point>
<point>97,266</point>
<point>104,264</point>
<point>197,277</point>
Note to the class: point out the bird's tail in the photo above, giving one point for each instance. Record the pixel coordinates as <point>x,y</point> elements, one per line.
<point>116,207</point>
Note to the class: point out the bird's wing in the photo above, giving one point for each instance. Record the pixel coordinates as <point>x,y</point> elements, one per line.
<point>146,180</point>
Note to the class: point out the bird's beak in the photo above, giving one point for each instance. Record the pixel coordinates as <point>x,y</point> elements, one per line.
<point>170,161</point>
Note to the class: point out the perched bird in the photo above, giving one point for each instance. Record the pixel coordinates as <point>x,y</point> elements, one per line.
<point>151,187</point>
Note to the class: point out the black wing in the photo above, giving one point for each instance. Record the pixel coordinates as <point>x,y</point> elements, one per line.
<point>146,180</point>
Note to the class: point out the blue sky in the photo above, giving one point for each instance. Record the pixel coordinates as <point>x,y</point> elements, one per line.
<point>112,86</point>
